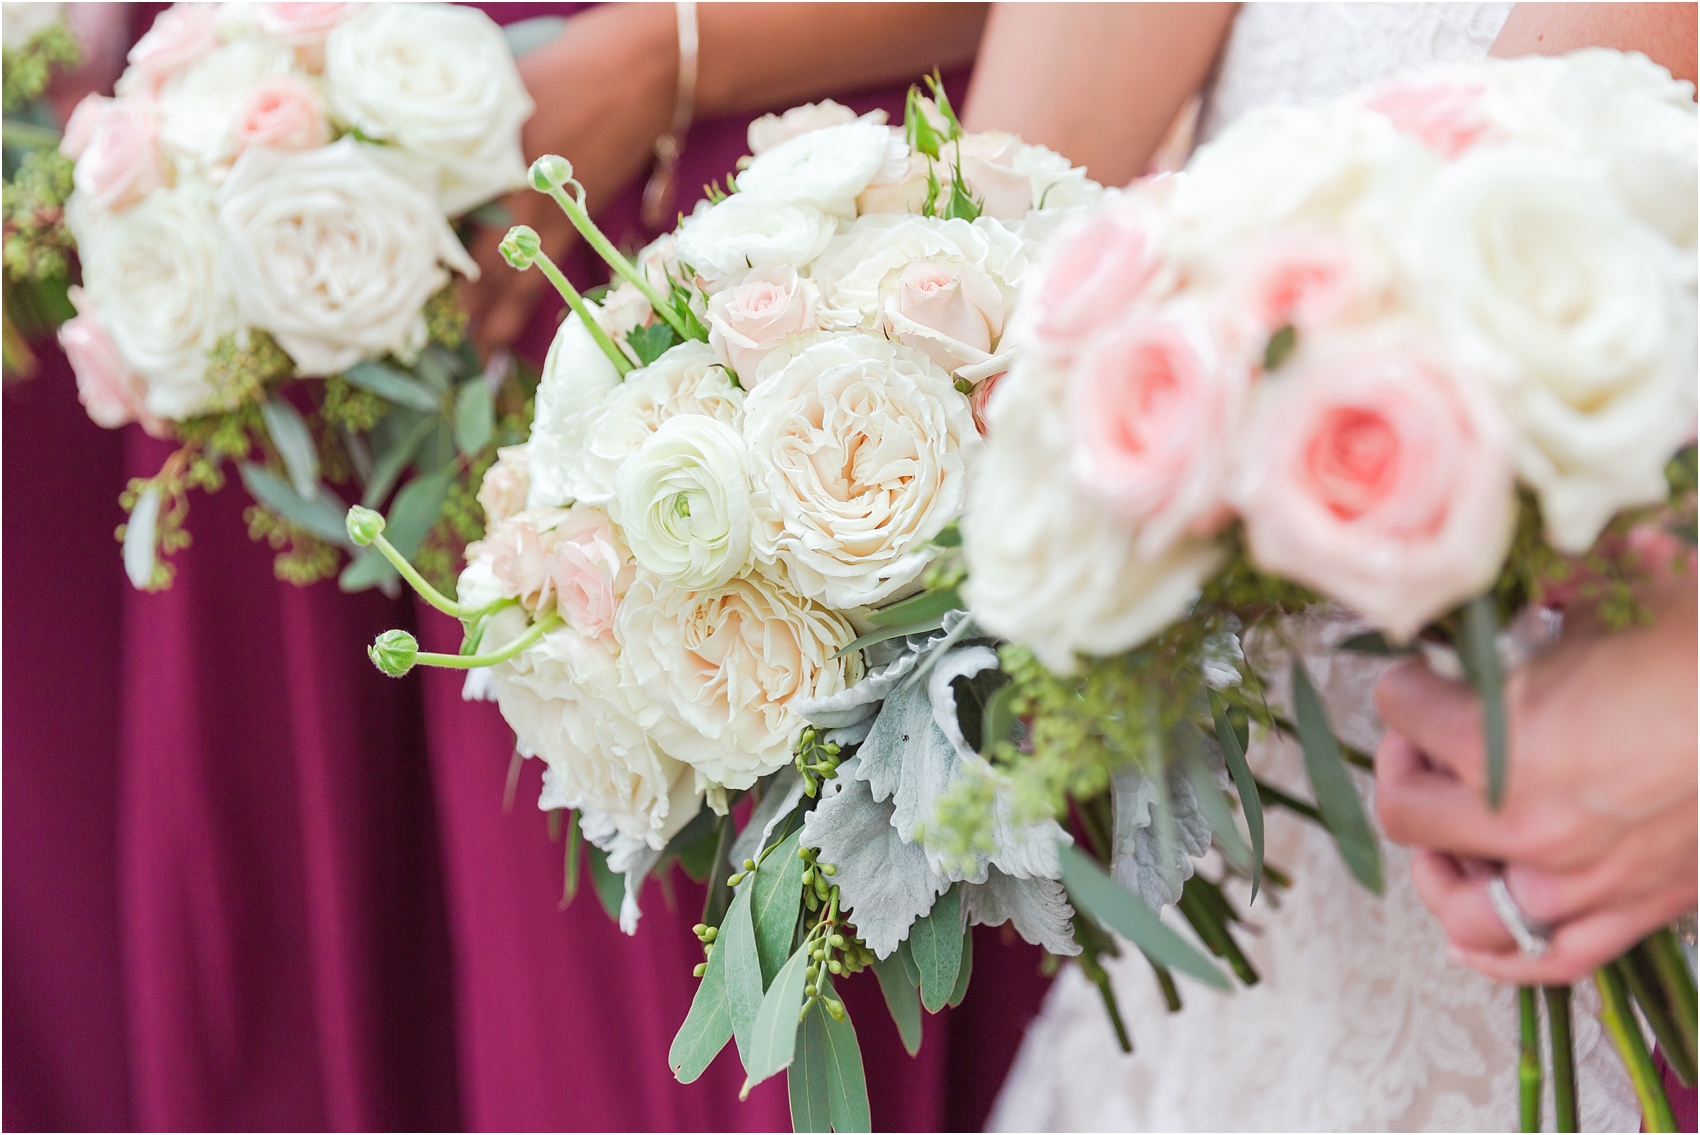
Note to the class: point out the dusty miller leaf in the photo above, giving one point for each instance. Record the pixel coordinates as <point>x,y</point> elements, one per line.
<point>1038,908</point>
<point>1137,853</point>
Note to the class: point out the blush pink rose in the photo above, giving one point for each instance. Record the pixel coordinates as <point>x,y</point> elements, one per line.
<point>305,27</point>
<point>1151,407</point>
<point>281,113</point>
<point>1092,274</point>
<point>1447,116</point>
<point>506,484</point>
<point>770,130</point>
<point>1380,476</point>
<point>951,312</point>
<point>980,397</point>
<point>180,35</point>
<point>990,176</point>
<point>749,319</point>
<point>590,574</point>
<point>109,390</point>
<point>1302,277</point>
<point>115,143</point>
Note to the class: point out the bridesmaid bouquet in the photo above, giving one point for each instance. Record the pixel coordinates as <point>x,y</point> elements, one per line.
<point>695,590</point>
<point>269,198</point>
<point>1426,354</point>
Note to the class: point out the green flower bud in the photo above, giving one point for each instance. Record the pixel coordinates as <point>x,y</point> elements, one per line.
<point>394,652</point>
<point>829,869</point>
<point>550,171</point>
<point>701,931</point>
<point>711,934</point>
<point>701,968</point>
<point>364,525</point>
<point>835,1009</point>
<point>749,864</point>
<point>521,246</point>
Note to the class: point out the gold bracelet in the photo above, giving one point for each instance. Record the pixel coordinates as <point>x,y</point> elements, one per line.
<point>661,191</point>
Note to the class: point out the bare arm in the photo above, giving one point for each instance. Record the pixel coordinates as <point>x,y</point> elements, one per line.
<point>1663,32</point>
<point>605,86</point>
<point>1098,82</point>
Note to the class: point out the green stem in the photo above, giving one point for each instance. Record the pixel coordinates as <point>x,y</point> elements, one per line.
<point>27,136</point>
<point>472,661</point>
<point>1166,982</point>
<point>1644,985</point>
<point>569,880</point>
<point>575,301</point>
<point>1528,1061</point>
<point>1563,1057</point>
<point>1619,1020</point>
<point>580,217</point>
<point>1269,794</point>
<point>408,572</point>
<point>1353,756</point>
<point>1670,963</point>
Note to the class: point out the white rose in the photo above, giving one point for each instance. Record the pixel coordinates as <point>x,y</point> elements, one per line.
<point>824,168</point>
<point>333,254</point>
<point>1615,107</point>
<point>771,130</point>
<point>1048,566</point>
<point>860,450</point>
<point>153,273</point>
<point>439,81</point>
<point>686,379</point>
<point>720,670</point>
<point>577,379</point>
<point>198,107</point>
<point>565,701</point>
<point>683,502</point>
<point>953,313</point>
<point>1587,314</point>
<point>751,318</point>
<point>744,232</point>
<point>860,269</point>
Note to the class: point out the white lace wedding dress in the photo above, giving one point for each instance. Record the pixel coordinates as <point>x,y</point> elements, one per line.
<point>1358,1023</point>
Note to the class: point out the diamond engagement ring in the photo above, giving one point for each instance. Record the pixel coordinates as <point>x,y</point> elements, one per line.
<point>1533,938</point>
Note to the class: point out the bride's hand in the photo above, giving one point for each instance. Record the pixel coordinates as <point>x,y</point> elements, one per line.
<point>1597,831</point>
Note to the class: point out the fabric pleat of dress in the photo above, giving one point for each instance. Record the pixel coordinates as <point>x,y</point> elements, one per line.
<point>251,883</point>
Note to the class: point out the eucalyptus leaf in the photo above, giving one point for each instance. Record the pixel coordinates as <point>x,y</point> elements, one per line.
<point>805,1080</point>
<point>324,516</point>
<point>475,416</point>
<point>773,1041</point>
<point>778,891</point>
<point>412,515</point>
<point>935,942</point>
<point>707,1027</point>
<point>1101,897</point>
<point>1336,796</point>
<point>1480,655</point>
<point>846,1083</point>
<point>436,367</point>
<point>1251,804</point>
<point>902,1001</point>
<point>781,793</point>
<point>874,638</point>
<point>925,607</point>
<point>1212,804</point>
<point>964,969</point>
<point>910,969</point>
<point>737,940</point>
<point>294,441</point>
<point>392,460</point>
<point>393,385</point>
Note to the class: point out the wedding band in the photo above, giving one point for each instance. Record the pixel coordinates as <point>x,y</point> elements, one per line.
<point>1532,938</point>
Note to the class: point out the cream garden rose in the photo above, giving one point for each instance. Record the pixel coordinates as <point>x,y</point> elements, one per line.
<point>683,501</point>
<point>438,81</point>
<point>332,254</point>
<point>152,272</point>
<point>719,670</point>
<point>1586,315</point>
<point>860,451</point>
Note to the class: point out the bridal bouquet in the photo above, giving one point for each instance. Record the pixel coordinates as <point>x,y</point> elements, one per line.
<point>269,198</point>
<point>694,590</point>
<point>1426,354</point>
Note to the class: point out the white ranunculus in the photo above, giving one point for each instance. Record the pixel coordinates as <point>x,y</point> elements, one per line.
<point>860,451</point>
<point>1588,315</point>
<point>197,108</point>
<point>1048,566</point>
<point>687,379</point>
<point>153,273</point>
<point>333,254</point>
<point>565,701</point>
<point>721,668</point>
<point>577,379</point>
<point>744,232</point>
<point>683,502</point>
<point>860,269</point>
<point>439,81</point>
<point>1615,107</point>
<point>824,168</point>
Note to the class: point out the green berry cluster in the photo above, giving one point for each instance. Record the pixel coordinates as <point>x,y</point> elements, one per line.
<point>817,760</point>
<point>36,239</point>
<point>706,935</point>
<point>28,68</point>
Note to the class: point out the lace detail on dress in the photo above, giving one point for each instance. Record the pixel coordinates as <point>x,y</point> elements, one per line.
<point>1358,1023</point>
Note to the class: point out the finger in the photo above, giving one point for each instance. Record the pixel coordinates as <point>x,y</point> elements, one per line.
<point>1578,948</point>
<point>1420,807</point>
<point>1460,902</point>
<point>1657,853</point>
<point>1440,717</point>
